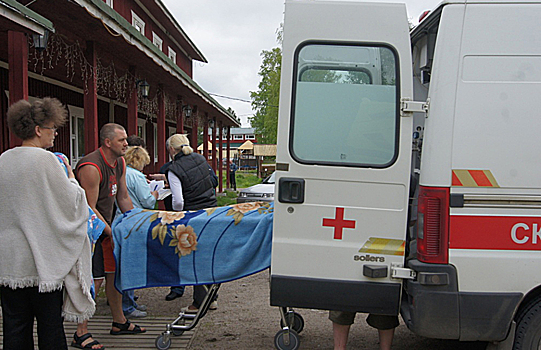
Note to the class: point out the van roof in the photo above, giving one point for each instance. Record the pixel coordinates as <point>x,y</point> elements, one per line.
<point>434,15</point>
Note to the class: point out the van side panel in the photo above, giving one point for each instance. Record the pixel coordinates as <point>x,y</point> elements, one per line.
<point>496,137</point>
<point>498,104</point>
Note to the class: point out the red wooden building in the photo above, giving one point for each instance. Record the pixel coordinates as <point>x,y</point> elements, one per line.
<point>99,56</point>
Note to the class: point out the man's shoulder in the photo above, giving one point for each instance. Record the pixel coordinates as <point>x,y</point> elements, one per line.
<point>91,158</point>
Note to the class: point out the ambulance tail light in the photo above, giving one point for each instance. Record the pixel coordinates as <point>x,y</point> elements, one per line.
<point>433,225</point>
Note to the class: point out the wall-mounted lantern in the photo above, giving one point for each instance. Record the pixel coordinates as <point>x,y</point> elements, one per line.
<point>40,41</point>
<point>144,87</point>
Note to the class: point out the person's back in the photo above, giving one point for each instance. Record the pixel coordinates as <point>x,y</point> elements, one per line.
<point>193,172</point>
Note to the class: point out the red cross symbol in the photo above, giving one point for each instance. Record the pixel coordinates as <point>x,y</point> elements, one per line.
<point>339,223</point>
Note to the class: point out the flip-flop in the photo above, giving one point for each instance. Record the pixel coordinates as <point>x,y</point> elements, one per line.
<point>78,342</point>
<point>125,329</point>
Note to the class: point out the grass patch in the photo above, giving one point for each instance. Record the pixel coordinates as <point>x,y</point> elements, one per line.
<point>229,198</point>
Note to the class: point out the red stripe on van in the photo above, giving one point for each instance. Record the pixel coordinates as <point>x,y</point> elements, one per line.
<point>456,181</point>
<point>495,232</point>
<point>480,178</point>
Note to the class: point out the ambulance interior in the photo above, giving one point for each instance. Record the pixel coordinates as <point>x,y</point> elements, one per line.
<point>362,79</point>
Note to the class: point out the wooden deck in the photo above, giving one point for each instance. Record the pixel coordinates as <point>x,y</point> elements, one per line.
<point>100,326</point>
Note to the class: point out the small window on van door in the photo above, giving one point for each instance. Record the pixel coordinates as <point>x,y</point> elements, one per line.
<point>345,109</point>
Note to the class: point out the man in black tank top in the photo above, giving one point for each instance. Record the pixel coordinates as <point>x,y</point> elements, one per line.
<point>102,174</point>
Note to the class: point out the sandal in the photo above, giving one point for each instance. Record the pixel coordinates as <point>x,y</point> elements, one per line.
<point>125,328</point>
<point>78,342</point>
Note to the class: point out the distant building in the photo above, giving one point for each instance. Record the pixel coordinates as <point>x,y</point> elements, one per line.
<point>238,137</point>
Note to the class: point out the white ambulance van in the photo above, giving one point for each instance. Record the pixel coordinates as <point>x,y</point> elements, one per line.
<point>450,237</point>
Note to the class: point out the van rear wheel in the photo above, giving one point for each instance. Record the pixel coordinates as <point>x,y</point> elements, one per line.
<point>528,332</point>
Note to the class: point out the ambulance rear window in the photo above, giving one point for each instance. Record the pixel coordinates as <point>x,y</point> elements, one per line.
<point>345,109</point>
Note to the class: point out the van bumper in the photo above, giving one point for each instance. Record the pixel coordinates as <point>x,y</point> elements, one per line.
<point>324,294</point>
<point>443,312</point>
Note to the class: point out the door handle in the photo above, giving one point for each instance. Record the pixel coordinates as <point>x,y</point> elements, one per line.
<point>290,190</point>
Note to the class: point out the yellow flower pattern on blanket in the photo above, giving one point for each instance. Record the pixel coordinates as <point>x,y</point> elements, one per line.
<point>185,240</point>
<point>238,210</point>
<point>168,217</point>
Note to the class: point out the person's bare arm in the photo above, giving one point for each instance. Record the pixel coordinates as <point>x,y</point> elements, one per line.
<point>123,199</point>
<point>89,179</point>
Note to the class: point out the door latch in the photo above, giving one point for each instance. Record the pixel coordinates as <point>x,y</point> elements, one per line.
<point>399,272</point>
<point>407,106</point>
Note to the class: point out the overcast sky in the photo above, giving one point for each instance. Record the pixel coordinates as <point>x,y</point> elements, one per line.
<point>231,35</point>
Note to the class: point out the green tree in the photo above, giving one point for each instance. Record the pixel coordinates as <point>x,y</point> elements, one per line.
<point>265,101</point>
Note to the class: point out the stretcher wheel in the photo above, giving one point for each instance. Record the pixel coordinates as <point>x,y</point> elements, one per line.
<point>161,344</point>
<point>280,343</point>
<point>297,324</point>
<point>177,332</point>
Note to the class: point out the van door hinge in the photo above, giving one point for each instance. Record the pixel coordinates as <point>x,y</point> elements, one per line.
<point>407,106</point>
<point>399,272</point>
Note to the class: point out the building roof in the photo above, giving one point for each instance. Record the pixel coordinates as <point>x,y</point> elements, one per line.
<point>265,150</point>
<point>242,131</point>
<point>200,147</point>
<point>248,145</point>
<point>25,17</point>
<point>111,18</point>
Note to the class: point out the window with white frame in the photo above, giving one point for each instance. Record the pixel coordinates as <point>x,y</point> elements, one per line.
<point>172,54</point>
<point>249,137</point>
<point>138,23</point>
<point>109,2</point>
<point>156,40</point>
<point>238,137</point>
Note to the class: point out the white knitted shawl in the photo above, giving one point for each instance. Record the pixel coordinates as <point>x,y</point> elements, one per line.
<point>43,224</point>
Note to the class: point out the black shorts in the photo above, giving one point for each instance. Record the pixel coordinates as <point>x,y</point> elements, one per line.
<point>381,322</point>
<point>98,269</point>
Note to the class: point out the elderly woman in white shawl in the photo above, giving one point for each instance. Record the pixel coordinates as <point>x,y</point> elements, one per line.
<point>44,248</point>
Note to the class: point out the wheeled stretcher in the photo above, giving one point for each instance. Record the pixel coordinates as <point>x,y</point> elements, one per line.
<point>204,247</point>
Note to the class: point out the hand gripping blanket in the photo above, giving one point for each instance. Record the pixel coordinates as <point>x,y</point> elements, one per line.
<point>215,245</point>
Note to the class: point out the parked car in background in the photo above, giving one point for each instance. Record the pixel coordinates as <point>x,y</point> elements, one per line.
<point>260,192</point>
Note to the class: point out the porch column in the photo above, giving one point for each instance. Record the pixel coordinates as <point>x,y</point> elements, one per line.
<point>132,105</point>
<point>91,102</point>
<point>214,153</point>
<point>161,127</point>
<point>228,154</point>
<point>220,158</point>
<point>206,137</point>
<point>180,116</point>
<point>150,141</point>
<point>18,73</point>
<point>195,126</point>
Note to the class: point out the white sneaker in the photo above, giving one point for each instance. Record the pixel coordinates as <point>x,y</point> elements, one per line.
<point>136,314</point>
<point>213,305</point>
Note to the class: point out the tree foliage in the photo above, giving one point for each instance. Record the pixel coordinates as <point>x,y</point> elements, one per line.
<point>265,101</point>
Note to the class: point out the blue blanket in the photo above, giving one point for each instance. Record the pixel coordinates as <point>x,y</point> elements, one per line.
<point>160,248</point>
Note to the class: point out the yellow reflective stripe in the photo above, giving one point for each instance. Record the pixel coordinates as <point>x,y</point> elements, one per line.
<point>383,246</point>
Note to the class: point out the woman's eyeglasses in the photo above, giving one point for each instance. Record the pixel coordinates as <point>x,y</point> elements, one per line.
<point>50,128</point>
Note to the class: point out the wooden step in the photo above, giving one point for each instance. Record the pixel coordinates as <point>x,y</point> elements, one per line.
<point>100,326</point>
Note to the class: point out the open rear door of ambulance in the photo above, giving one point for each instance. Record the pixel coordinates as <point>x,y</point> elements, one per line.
<point>343,159</point>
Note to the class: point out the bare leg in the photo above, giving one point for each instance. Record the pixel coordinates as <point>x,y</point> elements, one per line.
<point>386,338</point>
<point>97,284</point>
<point>82,329</point>
<point>114,298</point>
<point>340,334</point>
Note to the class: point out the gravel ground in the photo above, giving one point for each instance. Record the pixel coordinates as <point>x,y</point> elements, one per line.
<point>245,320</point>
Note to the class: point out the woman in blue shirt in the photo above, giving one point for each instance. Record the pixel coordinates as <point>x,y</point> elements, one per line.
<point>136,159</point>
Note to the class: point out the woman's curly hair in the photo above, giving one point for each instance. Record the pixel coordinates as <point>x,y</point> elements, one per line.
<point>137,157</point>
<point>23,116</point>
